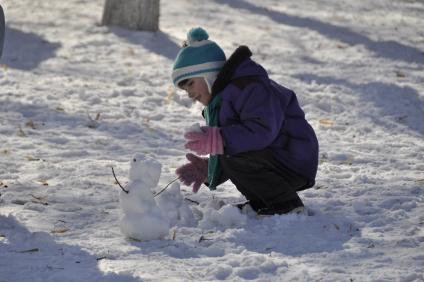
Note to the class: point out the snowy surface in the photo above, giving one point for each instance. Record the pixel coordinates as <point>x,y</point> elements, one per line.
<point>77,98</point>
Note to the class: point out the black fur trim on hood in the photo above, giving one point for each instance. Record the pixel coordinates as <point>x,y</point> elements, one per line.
<point>226,74</point>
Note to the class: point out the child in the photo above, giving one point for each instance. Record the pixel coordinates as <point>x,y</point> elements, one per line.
<point>256,133</point>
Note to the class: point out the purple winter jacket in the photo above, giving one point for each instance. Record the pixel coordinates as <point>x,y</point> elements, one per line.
<point>261,114</point>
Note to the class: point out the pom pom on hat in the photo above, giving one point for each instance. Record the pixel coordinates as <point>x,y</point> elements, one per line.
<point>197,34</point>
<point>201,57</point>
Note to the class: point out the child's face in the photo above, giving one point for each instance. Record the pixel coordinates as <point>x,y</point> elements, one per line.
<point>197,90</point>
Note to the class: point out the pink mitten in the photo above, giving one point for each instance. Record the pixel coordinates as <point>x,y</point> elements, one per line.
<point>208,141</point>
<point>196,171</point>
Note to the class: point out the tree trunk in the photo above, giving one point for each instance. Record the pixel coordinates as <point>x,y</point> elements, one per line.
<point>2,30</point>
<point>132,14</point>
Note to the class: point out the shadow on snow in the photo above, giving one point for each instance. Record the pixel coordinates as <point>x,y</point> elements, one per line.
<point>387,49</point>
<point>25,50</point>
<point>78,125</point>
<point>288,235</point>
<point>24,254</point>
<point>156,42</point>
<point>401,103</point>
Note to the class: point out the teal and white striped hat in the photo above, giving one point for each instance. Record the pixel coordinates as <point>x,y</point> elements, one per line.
<point>200,58</point>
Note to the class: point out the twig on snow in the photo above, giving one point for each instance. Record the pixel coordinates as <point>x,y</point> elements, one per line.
<point>39,200</point>
<point>100,258</point>
<point>28,251</point>
<point>202,238</point>
<point>192,201</point>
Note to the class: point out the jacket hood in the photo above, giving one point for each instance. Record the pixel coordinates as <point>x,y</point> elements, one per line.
<point>238,65</point>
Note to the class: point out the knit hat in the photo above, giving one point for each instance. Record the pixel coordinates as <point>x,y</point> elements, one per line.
<point>200,58</point>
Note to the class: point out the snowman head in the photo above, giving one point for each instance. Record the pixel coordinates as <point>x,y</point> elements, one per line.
<point>145,169</point>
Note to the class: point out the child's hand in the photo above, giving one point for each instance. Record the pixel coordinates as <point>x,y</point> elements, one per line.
<point>208,141</point>
<point>196,171</point>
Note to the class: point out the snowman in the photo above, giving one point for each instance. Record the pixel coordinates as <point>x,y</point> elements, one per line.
<point>142,219</point>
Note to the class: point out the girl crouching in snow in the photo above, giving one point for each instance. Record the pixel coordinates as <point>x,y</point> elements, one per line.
<point>256,133</point>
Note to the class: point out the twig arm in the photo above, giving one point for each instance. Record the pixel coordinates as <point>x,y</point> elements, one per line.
<point>116,179</point>
<point>166,186</point>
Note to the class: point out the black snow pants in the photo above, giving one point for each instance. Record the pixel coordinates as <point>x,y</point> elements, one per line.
<point>266,184</point>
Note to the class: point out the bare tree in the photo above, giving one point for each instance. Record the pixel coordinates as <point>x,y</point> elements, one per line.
<point>132,14</point>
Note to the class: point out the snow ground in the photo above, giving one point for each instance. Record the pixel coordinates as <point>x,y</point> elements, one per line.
<point>357,67</point>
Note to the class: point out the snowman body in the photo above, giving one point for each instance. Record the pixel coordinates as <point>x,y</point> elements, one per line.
<point>142,219</point>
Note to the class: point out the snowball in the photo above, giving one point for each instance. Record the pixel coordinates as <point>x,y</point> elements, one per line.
<point>193,128</point>
<point>227,216</point>
<point>172,204</point>
<point>231,216</point>
<point>215,204</point>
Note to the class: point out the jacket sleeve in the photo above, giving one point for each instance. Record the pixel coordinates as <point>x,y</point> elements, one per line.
<point>260,116</point>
